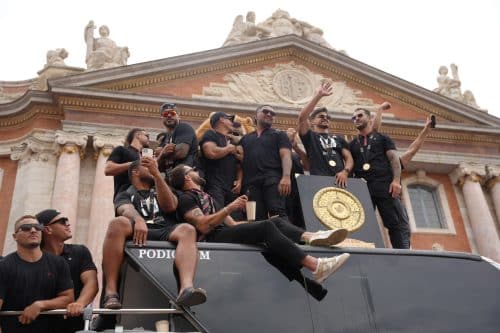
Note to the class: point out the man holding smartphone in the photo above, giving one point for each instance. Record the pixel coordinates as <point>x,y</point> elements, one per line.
<point>122,156</point>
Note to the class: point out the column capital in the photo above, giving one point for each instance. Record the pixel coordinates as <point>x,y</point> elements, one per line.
<point>71,142</point>
<point>106,143</point>
<point>492,176</point>
<point>37,147</point>
<point>471,171</point>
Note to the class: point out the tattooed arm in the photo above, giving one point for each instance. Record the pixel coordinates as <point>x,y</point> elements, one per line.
<point>395,187</point>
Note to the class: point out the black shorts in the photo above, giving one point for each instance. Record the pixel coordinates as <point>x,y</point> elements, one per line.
<point>158,232</point>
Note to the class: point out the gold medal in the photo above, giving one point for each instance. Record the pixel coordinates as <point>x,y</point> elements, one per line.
<point>332,163</point>
<point>366,166</point>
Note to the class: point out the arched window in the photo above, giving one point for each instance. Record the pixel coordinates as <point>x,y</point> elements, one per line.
<point>426,206</point>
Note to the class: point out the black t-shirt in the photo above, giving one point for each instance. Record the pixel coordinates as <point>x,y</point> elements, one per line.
<point>189,200</point>
<point>262,155</point>
<point>182,133</point>
<point>22,283</point>
<point>379,176</point>
<point>322,148</point>
<point>79,260</point>
<point>219,172</point>
<point>121,155</point>
<point>146,204</point>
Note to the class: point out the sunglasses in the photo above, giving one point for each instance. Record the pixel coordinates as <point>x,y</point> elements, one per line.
<point>324,116</point>
<point>28,227</point>
<point>167,113</point>
<point>62,220</point>
<point>359,115</point>
<point>268,112</point>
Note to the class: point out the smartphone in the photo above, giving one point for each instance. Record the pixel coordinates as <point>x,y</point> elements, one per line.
<point>147,152</point>
<point>433,121</point>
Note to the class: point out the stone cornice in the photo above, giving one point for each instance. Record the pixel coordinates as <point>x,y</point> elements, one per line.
<point>278,49</point>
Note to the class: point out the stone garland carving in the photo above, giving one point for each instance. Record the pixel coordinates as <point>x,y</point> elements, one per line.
<point>102,52</point>
<point>450,87</point>
<point>284,84</point>
<point>279,24</point>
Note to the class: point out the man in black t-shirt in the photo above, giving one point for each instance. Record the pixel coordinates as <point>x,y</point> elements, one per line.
<point>376,161</point>
<point>222,169</point>
<point>328,154</point>
<point>146,211</point>
<point>82,268</point>
<point>267,164</point>
<point>179,145</point>
<point>277,234</point>
<point>32,281</point>
<point>121,157</point>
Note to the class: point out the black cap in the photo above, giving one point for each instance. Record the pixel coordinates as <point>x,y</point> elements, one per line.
<point>316,111</point>
<point>47,215</point>
<point>217,116</point>
<point>168,106</point>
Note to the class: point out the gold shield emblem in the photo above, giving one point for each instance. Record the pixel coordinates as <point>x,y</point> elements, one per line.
<point>338,208</point>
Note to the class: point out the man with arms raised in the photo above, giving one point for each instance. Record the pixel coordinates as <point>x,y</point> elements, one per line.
<point>376,161</point>
<point>328,154</point>
<point>32,281</point>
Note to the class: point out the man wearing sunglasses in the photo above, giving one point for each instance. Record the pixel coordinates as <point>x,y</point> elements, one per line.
<point>120,158</point>
<point>179,145</point>
<point>32,281</point>
<point>147,211</point>
<point>82,268</point>
<point>328,154</point>
<point>267,165</point>
<point>376,161</point>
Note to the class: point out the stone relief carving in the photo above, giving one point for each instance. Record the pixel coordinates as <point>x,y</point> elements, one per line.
<point>56,57</point>
<point>39,146</point>
<point>103,52</point>
<point>285,84</point>
<point>476,171</point>
<point>450,87</point>
<point>279,24</point>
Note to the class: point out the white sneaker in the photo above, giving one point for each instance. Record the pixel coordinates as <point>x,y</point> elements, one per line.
<point>328,266</point>
<point>328,237</point>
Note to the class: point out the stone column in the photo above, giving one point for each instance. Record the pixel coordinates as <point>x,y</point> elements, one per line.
<point>101,207</point>
<point>36,167</point>
<point>65,195</point>
<point>470,176</point>
<point>493,185</point>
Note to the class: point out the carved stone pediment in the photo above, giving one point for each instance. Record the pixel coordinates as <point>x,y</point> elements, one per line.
<point>284,84</point>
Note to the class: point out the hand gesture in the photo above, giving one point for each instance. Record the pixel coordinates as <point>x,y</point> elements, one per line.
<point>395,189</point>
<point>30,313</point>
<point>341,178</point>
<point>325,89</point>
<point>169,149</point>
<point>74,309</point>
<point>284,186</point>
<point>238,203</point>
<point>385,106</point>
<point>140,232</point>
<point>151,164</point>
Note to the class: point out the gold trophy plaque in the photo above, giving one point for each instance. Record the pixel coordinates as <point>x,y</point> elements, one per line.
<point>338,208</point>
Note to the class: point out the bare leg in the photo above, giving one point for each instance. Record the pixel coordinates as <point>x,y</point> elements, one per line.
<point>112,251</point>
<point>310,262</point>
<point>186,254</point>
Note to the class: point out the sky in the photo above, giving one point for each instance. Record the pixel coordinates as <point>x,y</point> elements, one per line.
<point>408,39</point>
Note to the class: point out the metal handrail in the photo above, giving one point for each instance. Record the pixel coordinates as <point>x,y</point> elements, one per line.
<point>100,311</point>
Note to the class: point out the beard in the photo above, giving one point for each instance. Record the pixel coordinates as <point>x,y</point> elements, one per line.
<point>148,180</point>
<point>322,126</point>
<point>199,181</point>
<point>361,126</point>
<point>265,123</point>
<point>170,124</point>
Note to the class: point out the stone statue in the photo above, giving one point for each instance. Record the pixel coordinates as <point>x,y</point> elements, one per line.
<point>56,57</point>
<point>103,52</point>
<point>246,31</point>
<point>450,87</point>
<point>279,24</point>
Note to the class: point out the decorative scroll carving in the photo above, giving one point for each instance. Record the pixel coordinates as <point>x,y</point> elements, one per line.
<point>71,142</point>
<point>105,143</point>
<point>474,172</point>
<point>492,175</point>
<point>285,84</point>
<point>39,146</point>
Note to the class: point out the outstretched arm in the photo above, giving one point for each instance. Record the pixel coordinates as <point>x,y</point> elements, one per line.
<point>325,89</point>
<point>377,120</point>
<point>416,145</point>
